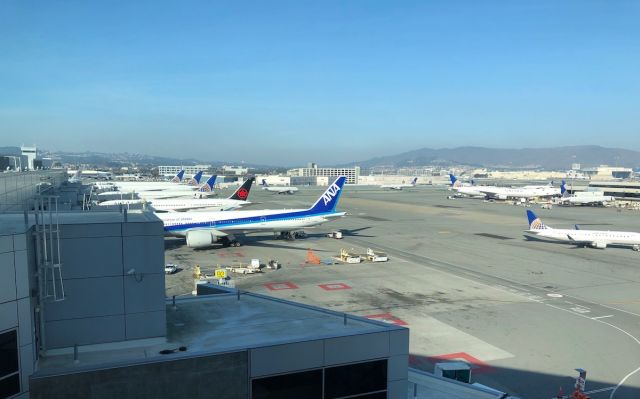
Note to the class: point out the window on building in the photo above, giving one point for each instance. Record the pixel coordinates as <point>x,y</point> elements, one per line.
<point>354,379</point>
<point>9,370</point>
<point>307,384</point>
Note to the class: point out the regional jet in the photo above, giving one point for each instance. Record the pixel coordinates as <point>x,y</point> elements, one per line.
<point>202,229</point>
<point>400,186</point>
<point>278,189</point>
<point>592,238</point>
<point>585,198</point>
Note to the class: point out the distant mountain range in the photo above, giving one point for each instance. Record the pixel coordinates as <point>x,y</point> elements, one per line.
<point>555,158</point>
<point>115,160</point>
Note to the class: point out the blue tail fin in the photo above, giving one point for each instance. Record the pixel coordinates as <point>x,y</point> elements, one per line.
<point>534,222</point>
<point>178,177</point>
<point>413,182</point>
<point>195,180</point>
<point>563,188</point>
<point>207,187</point>
<point>454,181</point>
<point>328,201</point>
<point>264,183</point>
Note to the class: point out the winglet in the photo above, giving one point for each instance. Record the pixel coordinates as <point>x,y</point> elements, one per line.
<point>534,222</point>
<point>178,177</point>
<point>329,199</point>
<point>207,187</point>
<point>195,180</point>
<point>242,193</point>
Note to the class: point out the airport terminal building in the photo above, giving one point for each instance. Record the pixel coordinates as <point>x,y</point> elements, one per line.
<point>352,174</point>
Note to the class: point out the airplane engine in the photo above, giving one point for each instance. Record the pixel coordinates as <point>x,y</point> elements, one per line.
<point>599,245</point>
<point>200,239</point>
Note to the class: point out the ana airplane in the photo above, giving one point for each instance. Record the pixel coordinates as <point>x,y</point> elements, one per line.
<point>202,229</point>
<point>278,189</point>
<point>592,238</point>
<point>585,198</point>
<point>400,186</point>
<point>235,201</point>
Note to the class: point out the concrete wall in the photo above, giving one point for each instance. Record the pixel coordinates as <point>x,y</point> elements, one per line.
<point>16,309</point>
<point>219,376</point>
<point>103,303</point>
<point>392,345</point>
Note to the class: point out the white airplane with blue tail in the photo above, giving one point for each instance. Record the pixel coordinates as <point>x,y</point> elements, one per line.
<point>202,229</point>
<point>591,238</point>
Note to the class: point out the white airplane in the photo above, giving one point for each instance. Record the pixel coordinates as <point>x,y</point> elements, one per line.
<point>173,184</point>
<point>278,189</point>
<point>521,192</point>
<point>585,198</point>
<point>202,229</point>
<point>465,189</point>
<point>592,238</point>
<point>400,186</point>
<point>236,200</point>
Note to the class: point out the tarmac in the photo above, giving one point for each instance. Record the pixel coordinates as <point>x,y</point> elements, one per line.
<point>462,276</point>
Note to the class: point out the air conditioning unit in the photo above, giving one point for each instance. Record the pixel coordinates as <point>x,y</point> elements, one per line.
<point>459,371</point>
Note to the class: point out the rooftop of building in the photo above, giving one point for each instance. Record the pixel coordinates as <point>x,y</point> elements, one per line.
<point>14,223</point>
<point>216,324</point>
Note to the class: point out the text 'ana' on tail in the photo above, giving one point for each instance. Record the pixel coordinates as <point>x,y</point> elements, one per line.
<point>242,193</point>
<point>329,199</point>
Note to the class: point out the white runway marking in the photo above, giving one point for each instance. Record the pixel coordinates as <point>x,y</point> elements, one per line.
<point>601,317</point>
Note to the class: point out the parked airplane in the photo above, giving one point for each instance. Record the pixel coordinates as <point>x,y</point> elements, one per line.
<point>236,200</point>
<point>470,190</point>
<point>504,193</point>
<point>585,198</point>
<point>178,177</point>
<point>278,189</point>
<point>202,229</point>
<point>76,177</point>
<point>400,186</point>
<point>592,238</point>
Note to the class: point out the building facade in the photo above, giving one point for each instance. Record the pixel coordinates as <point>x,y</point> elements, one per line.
<point>171,170</point>
<point>352,174</point>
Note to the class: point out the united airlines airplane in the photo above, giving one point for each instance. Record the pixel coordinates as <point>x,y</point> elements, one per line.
<point>400,186</point>
<point>202,229</point>
<point>592,238</point>
<point>235,201</point>
<point>278,189</point>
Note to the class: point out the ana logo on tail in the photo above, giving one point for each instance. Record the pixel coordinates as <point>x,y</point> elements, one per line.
<point>330,193</point>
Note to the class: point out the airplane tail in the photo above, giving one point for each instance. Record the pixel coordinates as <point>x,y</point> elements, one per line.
<point>328,201</point>
<point>242,193</point>
<point>178,177</point>
<point>534,222</point>
<point>413,182</point>
<point>207,187</point>
<point>264,183</point>
<point>195,180</point>
<point>454,181</point>
<point>563,189</point>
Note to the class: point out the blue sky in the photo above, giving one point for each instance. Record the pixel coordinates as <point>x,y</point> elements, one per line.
<point>283,83</point>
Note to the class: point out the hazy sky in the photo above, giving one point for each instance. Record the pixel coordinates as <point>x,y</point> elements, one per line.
<point>283,83</point>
